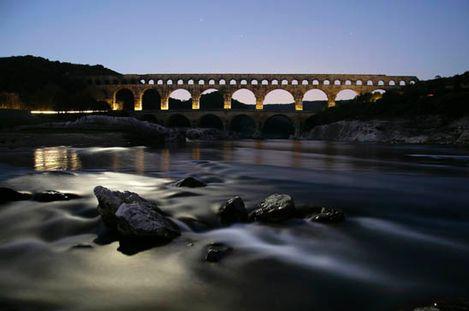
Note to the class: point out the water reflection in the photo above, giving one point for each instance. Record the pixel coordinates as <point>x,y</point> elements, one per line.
<point>55,159</point>
<point>196,152</point>
<point>165,160</point>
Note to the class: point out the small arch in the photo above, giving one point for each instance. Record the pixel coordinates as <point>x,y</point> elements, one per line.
<point>254,82</point>
<point>304,82</point>
<point>278,126</point>
<point>211,82</point>
<point>180,82</point>
<point>190,82</point>
<point>392,83</point>
<point>233,82</point>
<point>380,82</point>
<point>211,121</point>
<point>151,100</point>
<point>201,82</point>
<point>222,82</point>
<point>284,82</point>
<point>178,120</point>
<point>326,82</point>
<point>243,82</point>
<point>412,82</point>
<point>348,82</point>
<point>274,82</point>
<point>369,82</point>
<point>151,82</point>
<point>265,82</point>
<point>402,83</point>
<point>337,82</point>
<point>244,125</point>
<point>294,82</point>
<point>142,81</point>
<point>160,82</point>
<point>377,94</point>
<point>359,82</point>
<point>315,82</point>
<point>169,82</point>
<point>125,99</point>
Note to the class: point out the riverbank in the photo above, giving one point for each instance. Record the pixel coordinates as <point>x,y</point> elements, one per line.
<point>427,130</point>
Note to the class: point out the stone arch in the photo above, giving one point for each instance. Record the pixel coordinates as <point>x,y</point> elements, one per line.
<point>160,82</point>
<point>412,82</point>
<point>211,82</point>
<point>326,82</point>
<point>169,82</point>
<point>281,98</point>
<point>284,82</point>
<point>151,82</point>
<point>243,99</point>
<point>254,82</point>
<point>369,82</point>
<point>211,99</point>
<point>151,100</point>
<point>359,82</point>
<point>304,82</point>
<point>315,100</point>
<point>178,120</point>
<point>337,82</point>
<point>142,81</point>
<point>233,82</point>
<point>348,82</point>
<point>377,94</point>
<point>190,82</point>
<point>265,82</point>
<point>124,98</point>
<point>294,82</point>
<point>211,121</point>
<point>201,82</point>
<point>380,82</point>
<point>345,95</point>
<point>244,82</point>
<point>392,83</point>
<point>278,126</point>
<point>244,125</point>
<point>222,82</point>
<point>274,82</point>
<point>180,82</point>
<point>402,83</point>
<point>180,99</point>
<point>315,82</point>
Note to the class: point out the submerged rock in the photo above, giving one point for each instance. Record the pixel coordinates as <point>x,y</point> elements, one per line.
<point>233,211</point>
<point>217,251</point>
<point>275,208</point>
<point>52,195</point>
<point>9,195</point>
<point>190,182</point>
<point>139,219</point>
<point>328,215</point>
<point>109,201</point>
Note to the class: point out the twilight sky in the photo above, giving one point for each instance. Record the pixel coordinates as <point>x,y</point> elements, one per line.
<point>418,37</point>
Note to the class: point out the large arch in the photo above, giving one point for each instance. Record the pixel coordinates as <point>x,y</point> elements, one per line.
<point>178,120</point>
<point>315,100</point>
<point>125,99</point>
<point>243,99</point>
<point>244,125</point>
<point>211,99</point>
<point>180,99</point>
<point>345,96</point>
<point>278,126</point>
<point>151,100</point>
<point>211,121</point>
<point>279,100</point>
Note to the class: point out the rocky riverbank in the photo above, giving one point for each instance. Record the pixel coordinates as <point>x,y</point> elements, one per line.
<point>429,130</point>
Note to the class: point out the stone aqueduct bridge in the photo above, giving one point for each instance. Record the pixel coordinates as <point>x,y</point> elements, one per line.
<point>107,88</point>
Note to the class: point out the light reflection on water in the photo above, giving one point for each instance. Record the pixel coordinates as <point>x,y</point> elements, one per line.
<point>56,158</point>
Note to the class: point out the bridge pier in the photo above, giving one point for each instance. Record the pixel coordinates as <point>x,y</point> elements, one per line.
<point>164,102</point>
<point>226,101</point>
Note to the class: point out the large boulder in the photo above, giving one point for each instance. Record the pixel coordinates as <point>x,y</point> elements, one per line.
<point>233,211</point>
<point>328,215</point>
<point>8,195</point>
<point>275,208</point>
<point>190,182</point>
<point>109,201</point>
<point>139,219</point>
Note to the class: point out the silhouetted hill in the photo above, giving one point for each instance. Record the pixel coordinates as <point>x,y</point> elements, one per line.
<point>40,83</point>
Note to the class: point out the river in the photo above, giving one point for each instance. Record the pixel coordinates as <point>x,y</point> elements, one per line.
<point>405,240</point>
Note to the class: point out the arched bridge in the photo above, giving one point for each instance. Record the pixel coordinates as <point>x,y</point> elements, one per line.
<point>150,93</point>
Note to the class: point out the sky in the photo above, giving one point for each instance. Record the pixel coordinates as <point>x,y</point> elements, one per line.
<point>419,37</point>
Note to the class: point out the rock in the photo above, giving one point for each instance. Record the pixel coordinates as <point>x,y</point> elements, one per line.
<point>328,215</point>
<point>139,219</point>
<point>8,195</point>
<point>233,211</point>
<point>52,195</point>
<point>275,208</point>
<point>109,201</point>
<point>190,182</point>
<point>82,246</point>
<point>217,251</point>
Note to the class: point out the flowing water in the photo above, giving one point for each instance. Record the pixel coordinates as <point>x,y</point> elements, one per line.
<point>405,240</point>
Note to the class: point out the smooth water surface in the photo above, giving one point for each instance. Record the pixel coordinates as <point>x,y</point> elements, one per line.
<point>405,240</point>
